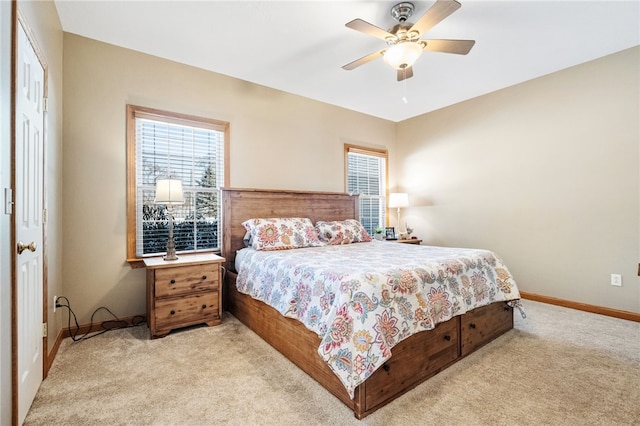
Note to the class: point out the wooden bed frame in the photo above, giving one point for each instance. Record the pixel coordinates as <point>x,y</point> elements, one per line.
<point>414,360</point>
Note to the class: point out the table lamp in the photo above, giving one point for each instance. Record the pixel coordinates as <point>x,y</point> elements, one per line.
<point>398,200</point>
<point>169,193</point>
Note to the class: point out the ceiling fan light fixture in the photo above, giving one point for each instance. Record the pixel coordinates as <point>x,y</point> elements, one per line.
<point>403,55</point>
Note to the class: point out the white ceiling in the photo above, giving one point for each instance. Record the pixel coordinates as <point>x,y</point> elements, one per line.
<point>300,46</point>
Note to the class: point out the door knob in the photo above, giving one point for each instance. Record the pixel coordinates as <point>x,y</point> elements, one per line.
<point>22,247</point>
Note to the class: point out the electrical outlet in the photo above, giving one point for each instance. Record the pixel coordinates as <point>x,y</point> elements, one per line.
<point>616,280</point>
<point>55,302</point>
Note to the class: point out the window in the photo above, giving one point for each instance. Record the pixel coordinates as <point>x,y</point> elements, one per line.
<point>195,150</point>
<point>367,175</point>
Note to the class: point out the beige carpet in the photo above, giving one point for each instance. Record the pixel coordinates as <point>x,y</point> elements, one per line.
<point>557,367</point>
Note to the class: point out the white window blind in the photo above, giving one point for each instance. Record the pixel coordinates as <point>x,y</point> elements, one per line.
<point>366,175</point>
<point>193,155</point>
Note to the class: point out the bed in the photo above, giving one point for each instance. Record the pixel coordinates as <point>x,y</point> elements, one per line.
<point>412,360</point>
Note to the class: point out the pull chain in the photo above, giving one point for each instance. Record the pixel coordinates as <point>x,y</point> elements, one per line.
<point>404,85</point>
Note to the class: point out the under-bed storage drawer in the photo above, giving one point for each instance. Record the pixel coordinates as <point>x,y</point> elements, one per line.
<point>436,349</point>
<point>482,325</point>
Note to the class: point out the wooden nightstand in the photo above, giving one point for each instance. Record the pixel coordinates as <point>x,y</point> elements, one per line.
<point>416,241</point>
<point>183,292</point>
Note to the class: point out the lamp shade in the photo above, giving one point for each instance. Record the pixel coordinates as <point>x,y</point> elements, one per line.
<point>169,191</point>
<point>403,55</point>
<point>398,199</point>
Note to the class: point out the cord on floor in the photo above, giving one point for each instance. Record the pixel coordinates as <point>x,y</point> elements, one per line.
<point>107,325</point>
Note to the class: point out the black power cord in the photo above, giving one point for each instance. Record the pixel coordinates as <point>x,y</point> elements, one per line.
<point>106,325</point>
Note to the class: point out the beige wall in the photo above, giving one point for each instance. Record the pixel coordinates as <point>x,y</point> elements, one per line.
<point>278,140</point>
<point>546,173</point>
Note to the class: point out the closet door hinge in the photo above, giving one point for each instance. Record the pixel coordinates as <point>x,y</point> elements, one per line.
<point>45,104</point>
<point>8,201</point>
<point>45,330</point>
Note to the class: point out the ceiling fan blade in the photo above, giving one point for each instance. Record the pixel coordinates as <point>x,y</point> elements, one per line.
<point>363,60</point>
<point>369,29</point>
<point>436,13</point>
<point>405,73</point>
<point>459,47</point>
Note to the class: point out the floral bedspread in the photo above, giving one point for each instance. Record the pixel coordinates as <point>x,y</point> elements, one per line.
<point>362,299</point>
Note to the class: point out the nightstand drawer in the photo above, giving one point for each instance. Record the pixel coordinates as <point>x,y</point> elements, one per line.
<point>189,310</point>
<point>186,279</point>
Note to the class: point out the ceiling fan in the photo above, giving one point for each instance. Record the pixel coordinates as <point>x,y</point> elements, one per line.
<point>403,39</point>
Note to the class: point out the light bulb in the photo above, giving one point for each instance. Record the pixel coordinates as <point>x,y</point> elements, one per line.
<point>403,55</point>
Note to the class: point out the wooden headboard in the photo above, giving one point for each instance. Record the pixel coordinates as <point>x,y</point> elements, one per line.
<point>239,205</point>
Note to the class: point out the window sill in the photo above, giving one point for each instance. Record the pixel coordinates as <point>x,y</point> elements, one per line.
<point>137,263</point>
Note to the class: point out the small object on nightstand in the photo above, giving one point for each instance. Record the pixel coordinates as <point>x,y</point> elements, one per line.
<point>390,233</point>
<point>184,292</point>
<point>378,233</point>
<point>409,230</point>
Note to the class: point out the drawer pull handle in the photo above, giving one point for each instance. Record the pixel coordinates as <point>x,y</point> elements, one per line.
<point>172,281</point>
<point>172,312</point>
<point>447,338</point>
<point>204,277</point>
<point>472,325</point>
<point>204,306</point>
<point>385,367</point>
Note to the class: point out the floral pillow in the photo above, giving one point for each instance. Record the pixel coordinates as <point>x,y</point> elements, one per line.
<point>342,232</point>
<point>281,233</point>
